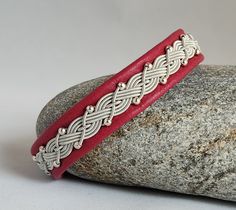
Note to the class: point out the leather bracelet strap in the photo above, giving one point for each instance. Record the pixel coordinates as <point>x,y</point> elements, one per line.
<point>115,102</point>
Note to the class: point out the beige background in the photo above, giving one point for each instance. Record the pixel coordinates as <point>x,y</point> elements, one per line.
<point>49,45</point>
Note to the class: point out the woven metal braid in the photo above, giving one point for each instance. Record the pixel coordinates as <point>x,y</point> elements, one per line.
<point>116,103</point>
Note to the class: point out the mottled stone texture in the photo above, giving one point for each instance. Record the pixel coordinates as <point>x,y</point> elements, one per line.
<point>185,142</point>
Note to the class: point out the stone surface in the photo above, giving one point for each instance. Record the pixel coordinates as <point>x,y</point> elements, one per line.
<point>185,142</point>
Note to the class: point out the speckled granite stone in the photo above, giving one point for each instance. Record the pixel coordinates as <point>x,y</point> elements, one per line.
<point>185,142</point>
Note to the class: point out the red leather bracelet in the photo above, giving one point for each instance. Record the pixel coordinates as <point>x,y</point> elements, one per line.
<point>83,127</point>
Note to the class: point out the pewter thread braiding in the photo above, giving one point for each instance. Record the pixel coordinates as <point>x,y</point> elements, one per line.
<point>116,103</point>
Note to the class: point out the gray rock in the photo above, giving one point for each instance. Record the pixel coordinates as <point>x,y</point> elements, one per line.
<point>185,142</point>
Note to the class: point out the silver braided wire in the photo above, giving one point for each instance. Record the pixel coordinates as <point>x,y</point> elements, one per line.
<point>116,103</point>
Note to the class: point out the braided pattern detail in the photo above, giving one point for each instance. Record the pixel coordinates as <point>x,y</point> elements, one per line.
<point>116,103</point>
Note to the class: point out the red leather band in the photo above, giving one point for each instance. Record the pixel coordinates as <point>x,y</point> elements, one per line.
<point>110,86</point>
